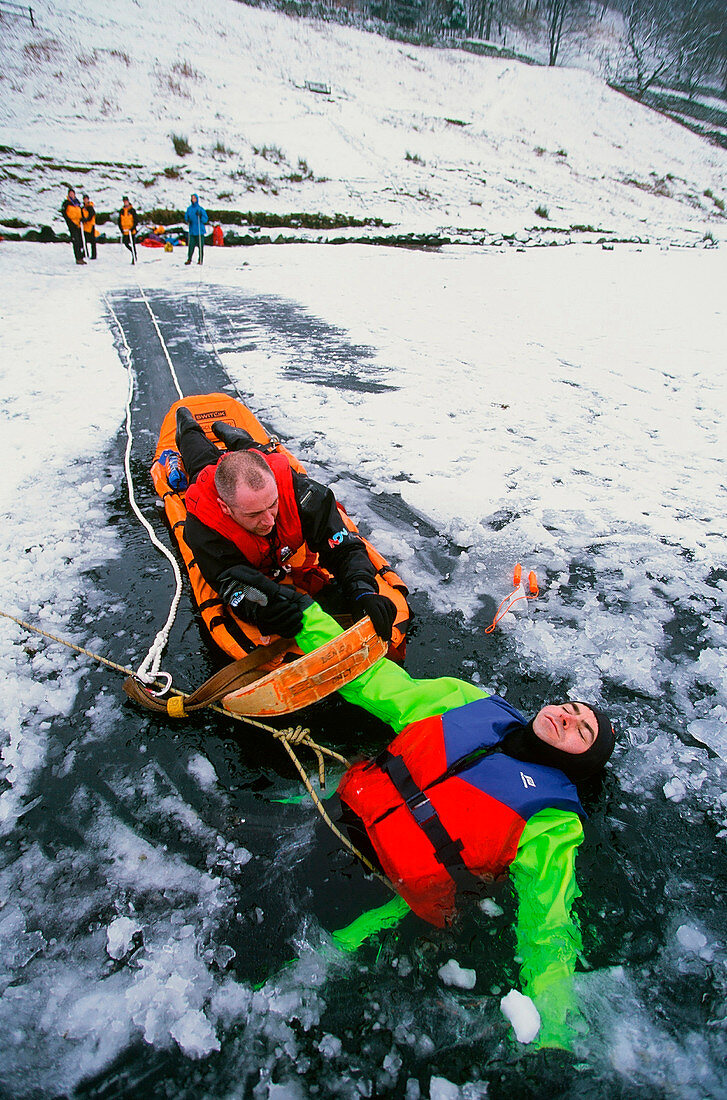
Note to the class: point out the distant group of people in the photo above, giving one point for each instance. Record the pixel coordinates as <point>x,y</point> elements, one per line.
<point>80,217</point>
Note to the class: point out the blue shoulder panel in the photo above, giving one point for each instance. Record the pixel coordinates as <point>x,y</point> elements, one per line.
<point>526,788</point>
<point>477,725</point>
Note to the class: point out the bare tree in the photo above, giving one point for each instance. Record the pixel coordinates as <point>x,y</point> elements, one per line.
<point>558,13</point>
<point>697,32</point>
<point>648,43</point>
<point>482,15</point>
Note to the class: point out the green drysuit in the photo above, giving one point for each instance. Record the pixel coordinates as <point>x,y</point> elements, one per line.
<point>543,872</point>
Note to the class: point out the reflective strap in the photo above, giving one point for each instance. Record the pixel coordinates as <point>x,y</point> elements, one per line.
<point>447,850</point>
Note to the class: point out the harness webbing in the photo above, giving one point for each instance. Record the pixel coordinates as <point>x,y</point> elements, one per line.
<point>447,849</point>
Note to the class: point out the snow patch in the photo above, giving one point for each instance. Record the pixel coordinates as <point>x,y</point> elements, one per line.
<point>522,1014</point>
<point>459,976</point>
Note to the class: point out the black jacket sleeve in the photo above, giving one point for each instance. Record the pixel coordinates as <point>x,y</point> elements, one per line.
<point>274,608</point>
<point>339,550</point>
<point>218,558</point>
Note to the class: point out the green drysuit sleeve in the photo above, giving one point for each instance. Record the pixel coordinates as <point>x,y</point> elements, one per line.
<point>543,870</point>
<point>548,937</point>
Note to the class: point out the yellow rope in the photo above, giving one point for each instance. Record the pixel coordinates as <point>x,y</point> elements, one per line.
<point>285,741</point>
<point>294,736</point>
<point>70,645</point>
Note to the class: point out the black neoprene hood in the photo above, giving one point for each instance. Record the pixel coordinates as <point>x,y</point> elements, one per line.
<point>524,744</point>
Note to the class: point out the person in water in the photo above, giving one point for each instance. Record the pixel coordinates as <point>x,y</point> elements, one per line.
<point>249,512</point>
<point>468,791</point>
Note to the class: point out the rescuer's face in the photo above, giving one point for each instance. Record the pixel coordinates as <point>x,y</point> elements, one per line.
<point>254,509</point>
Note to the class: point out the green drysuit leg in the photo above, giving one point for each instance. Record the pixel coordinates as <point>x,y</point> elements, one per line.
<point>385,689</point>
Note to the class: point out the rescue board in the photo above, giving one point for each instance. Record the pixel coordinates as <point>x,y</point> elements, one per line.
<point>306,679</point>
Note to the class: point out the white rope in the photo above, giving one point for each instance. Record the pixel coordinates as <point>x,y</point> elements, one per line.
<point>149,669</point>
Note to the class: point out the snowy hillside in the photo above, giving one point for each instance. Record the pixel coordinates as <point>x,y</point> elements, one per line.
<point>422,138</point>
<point>168,906</point>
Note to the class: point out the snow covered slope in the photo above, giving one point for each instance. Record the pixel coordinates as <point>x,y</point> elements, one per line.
<point>423,138</point>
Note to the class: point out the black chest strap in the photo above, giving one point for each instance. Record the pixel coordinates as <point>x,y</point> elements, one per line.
<point>447,850</point>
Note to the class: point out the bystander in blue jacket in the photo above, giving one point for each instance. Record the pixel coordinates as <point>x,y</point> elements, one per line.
<point>196,218</point>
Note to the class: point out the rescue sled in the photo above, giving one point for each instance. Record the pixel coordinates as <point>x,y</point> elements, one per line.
<point>283,680</point>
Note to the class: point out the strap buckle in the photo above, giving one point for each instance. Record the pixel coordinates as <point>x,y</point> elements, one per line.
<point>420,807</point>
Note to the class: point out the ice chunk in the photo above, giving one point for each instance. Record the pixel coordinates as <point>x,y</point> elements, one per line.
<point>454,974</point>
<point>230,1002</point>
<point>674,790</point>
<point>288,1090</point>
<point>25,948</point>
<point>442,1089</point>
<point>223,956</point>
<point>522,1014</point>
<point>330,1046</point>
<point>120,936</point>
<point>241,856</point>
<point>490,907</point>
<point>712,729</point>
<point>195,1034</point>
<point>200,768</point>
<point>691,938</point>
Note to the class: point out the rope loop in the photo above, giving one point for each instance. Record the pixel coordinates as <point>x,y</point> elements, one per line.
<point>295,736</point>
<point>150,683</point>
<point>298,735</point>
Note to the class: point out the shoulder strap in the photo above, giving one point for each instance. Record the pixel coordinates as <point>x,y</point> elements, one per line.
<point>447,850</point>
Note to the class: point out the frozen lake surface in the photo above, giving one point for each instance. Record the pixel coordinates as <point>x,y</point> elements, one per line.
<point>561,407</point>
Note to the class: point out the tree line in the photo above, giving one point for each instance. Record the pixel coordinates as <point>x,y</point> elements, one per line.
<point>681,43</point>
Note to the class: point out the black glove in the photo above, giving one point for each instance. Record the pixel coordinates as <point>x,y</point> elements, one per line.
<point>272,608</point>
<point>380,610</point>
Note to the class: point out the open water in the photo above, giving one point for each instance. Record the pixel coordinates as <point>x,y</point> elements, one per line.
<point>227,984</point>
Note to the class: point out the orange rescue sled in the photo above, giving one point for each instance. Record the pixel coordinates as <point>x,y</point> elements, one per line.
<point>281,684</point>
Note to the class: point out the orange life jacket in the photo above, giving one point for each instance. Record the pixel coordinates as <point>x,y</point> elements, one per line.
<point>263,553</point>
<point>126,220</point>
<point>434,827</point>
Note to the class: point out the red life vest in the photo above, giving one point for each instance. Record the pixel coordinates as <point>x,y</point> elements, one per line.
<point>266,553</point>
<point>483,808</point>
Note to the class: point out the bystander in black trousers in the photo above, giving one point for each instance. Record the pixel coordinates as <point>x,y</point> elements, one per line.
<point>130,242</point>
<point>75,231</point>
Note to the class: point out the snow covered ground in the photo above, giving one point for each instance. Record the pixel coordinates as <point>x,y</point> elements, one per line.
<point>507,409</point>
<point>423,138</point>
<point>562,407</point>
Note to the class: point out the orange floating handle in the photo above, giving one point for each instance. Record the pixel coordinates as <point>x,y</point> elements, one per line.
<point>512,598</point>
